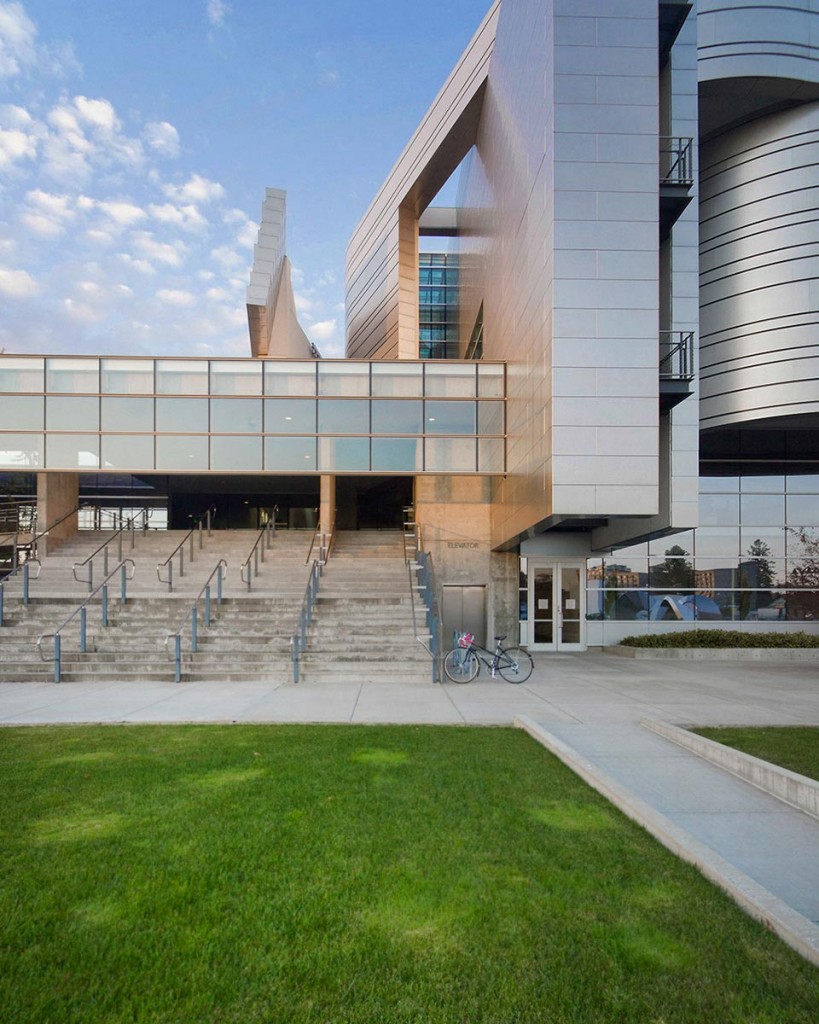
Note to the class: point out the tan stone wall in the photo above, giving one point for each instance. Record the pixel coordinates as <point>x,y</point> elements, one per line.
<point>454,514</point>
<point>57,493</point>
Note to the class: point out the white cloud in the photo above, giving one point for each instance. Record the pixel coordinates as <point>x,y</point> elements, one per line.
<point>170,253</point>
<point>176,297</point>
<point>187,217</point>
<point>17,35</point>
<point>248,234</point>
<point>218,294</point>
<point>99,114</point>
<point>323,330</point>
<point>162,138</point>
<point>17,284</point>
<point>142,266</point>
<point>121,212</point>
<point>16,145</point>
<point>227,259</point>
<point>82,312</point>
<point>303,304</point>
<point>216,11</point>
<point>195,190</point>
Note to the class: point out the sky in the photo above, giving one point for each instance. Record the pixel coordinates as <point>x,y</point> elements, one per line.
<point>137,138</point>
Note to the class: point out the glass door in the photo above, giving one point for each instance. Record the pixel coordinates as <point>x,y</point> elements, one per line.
<point>556,606</point>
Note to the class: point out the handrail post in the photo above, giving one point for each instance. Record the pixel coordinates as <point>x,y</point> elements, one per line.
<point>207,516</point>
<point>1,604</point>
<point>177,658</point>
<point>219,584</point>
<point>132,531</point>
<point>123,586</point>
<point>190,547</point>
<point>199,531</point>
<point>90,575</point>
<point>26,594</point>
<point>105,604</point>
<point>182,560</point>
<point>105,560</point>
<point>170,576</point>
<point>207,605</point>
<point>193,629</point>
<point>83,633</point>
<point>57,653</point>
<point>119,543</point>
<point>255,561</point>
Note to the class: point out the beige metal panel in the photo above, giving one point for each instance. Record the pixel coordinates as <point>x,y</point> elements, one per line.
<point>382,292</point>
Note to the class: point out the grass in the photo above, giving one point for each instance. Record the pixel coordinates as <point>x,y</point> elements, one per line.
<point>232,875</point>
<point>723,638</point>
<point>792,747</point>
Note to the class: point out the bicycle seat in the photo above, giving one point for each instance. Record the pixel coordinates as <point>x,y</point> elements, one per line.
<point>500,637</point>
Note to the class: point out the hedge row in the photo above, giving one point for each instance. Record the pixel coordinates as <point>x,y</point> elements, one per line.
<point>722,638</point>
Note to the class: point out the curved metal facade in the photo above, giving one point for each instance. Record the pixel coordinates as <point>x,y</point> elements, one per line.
<point>759,264</point>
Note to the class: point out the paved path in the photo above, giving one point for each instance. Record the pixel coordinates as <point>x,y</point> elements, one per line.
<point>587,708</point>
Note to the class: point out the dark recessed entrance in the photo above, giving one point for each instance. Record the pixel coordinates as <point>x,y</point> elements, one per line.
<point>372,502</point>
<point>244,502</point>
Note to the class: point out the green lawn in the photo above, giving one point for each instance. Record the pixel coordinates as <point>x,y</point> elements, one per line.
<point>232,875</point>
<point>792,747</point>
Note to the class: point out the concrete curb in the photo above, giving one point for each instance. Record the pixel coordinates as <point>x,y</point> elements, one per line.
<point>791,788</point>
<point>792,927</point>
<point>800,654</point>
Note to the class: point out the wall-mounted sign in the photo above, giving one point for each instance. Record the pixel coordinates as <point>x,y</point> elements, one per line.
<point>462,544</point>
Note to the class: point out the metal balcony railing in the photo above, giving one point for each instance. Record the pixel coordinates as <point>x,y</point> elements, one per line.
<point>676,163</point>
<point>676,355</point>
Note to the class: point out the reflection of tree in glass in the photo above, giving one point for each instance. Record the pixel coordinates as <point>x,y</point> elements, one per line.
<point>806,572</point>
<point>675,573</point>
<point>762,567</point>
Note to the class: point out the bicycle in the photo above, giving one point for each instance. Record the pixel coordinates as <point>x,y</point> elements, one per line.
<point>463,662</point>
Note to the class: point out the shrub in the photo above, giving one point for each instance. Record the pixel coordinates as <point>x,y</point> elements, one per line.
<point>722,638</point>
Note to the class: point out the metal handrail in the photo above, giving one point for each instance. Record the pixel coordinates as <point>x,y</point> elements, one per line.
<point>264,534</point>
<point>676,167</point>
<point>220,572</point>
<point>32,545</point>
<point>298,641</point>
<point>682,349</point>
<point>82,612</point>
<point>316,532</point>
<point>89,561</point>
<point>179,549</point>
<point>25,569</point>
<point>421,565</point>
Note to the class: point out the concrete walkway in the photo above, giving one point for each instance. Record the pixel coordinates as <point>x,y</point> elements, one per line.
<point>586,709</point>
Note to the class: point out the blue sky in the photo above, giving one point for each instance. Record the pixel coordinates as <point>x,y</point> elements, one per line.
<point>137,137</point>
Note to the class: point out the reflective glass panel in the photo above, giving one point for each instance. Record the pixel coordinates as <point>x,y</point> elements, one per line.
<point>290,378</point>
<point>398,454</point>
<point>72,451</point>
<point>450,380</point>
<point>127,451</point>
<point>719,484</point>
<point>21,451</point>
<point>181,377</point>
<point>490,380</point>
<point>762,484</point>
<point>344,453</point>
<point>803,510</point>
<point>491,452</point>
<point>24,373</point>
<point>182,414</point>
<point>490,417</point>
<point>716,541</point>
<point>671,574</point>
<point>802,606</point>
<point>125,413</point>
<point>236,453</point>
<point>762,509</point>
<point>21,412</point>
<point>127,376</point>
<point>290,454</point>
<point>236,415</point>
<point>73,375</point>
<point>229,377</point>
<point>67,413</point>
<point>346,378</point>
<point>761,573</point>
<point>404,379</point>
<point>180,453</point>
<point>450,455</point>
<point>683,540</point>
<point>289,416</point>
<point>621,571</point>
<point>397,417</point>
<point>805,484</point>
<point>719,509</point>
<point>340,417</point>
<point>715,573</point>
<point>762,542</point>
<point>449,417</point>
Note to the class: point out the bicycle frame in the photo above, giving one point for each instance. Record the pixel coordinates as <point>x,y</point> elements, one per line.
<point>492,661</point>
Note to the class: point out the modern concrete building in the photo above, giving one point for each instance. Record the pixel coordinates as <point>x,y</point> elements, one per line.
<point>629,440</point>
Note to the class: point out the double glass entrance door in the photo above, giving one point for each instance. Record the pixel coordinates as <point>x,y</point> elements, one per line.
<point>556,613</point>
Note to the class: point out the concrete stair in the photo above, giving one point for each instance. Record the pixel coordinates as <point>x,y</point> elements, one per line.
<point>249,636</point>
<point>362,629</point>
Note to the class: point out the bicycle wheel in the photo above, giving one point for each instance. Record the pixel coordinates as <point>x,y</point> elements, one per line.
<point>461,665</point>
<point>515,665</point>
